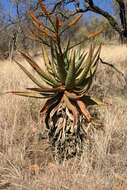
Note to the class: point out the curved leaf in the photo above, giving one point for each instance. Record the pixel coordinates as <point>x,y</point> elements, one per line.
<point>70,78</point>
<point>48,79</point>
<point>84,110</point>
<point>61,66</point>
<point>96,100</point>
<point>29,94</point>
<point>30,75</point>
<point>47,90</point>
<point>85,71</point>
<point>79,67</point>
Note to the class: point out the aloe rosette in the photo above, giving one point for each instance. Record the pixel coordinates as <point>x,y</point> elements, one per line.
<point>68,77</point>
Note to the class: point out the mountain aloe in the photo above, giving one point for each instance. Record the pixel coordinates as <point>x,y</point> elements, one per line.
<point>68,77</point>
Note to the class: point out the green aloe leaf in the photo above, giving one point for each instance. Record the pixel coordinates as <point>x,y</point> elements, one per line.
<point>93,69</point>
<point>81,58</point>
<point>47,90</point>
<point>61,66</point>
<point>86,84</point>
<point>66,55</point>
<point>79,67</point>
<point>70,79</point>
<point>46,58</point>
<point>58,65</point>
<point>91,52</point>
<point>95,60</point>
<point>30,75</point>
<point>67,49</point>
<point>54,70</point>
<point>29,94</point>
<point>48,79</point>
<point>96,100</point>
<point>85,71</point>
<point>97,54</point>
<point>92,100</point>
<point>54,62</point>
<point>50,65</point>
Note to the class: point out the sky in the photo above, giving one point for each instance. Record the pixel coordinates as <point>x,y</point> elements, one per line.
<point>105,4</point>
<point>5,3</point>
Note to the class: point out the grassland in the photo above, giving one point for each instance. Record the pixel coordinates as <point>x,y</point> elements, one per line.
<point>26,161</point>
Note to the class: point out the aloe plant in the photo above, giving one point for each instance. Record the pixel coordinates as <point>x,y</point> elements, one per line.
<point>68,77</point>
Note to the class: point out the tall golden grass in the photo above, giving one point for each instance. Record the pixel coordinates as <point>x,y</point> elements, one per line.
<point>26,161</point>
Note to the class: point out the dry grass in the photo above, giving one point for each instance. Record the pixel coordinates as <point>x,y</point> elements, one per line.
<point>26,161</point>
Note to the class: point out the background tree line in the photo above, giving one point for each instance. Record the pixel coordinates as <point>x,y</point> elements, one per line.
<point>15,22</point>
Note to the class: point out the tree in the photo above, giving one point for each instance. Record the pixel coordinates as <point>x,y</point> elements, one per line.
<point>90,5</point>
<point>13,26</point>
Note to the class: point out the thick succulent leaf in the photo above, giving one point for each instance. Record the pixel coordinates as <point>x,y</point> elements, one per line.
<point>47,78</point>
<point>96,100</point>
<point>66,55</point>
<point>47,90</point>
<point>73,109</point>
<point>53,48</point>
<point>93,69</point>
<point>70,56</point>
<point>85,71</point>
<point>95,60</point>
<point>86,84</point>
<point>46,58</point>
<point>30,75</point>
<point>58,63</point>
<point>61,66</point>
<point>79,67</point>
<point>80,59</point>
<point>70,79</point>
<point>54,70</point>
<point>84,63</point>
<point>72,95</point>
<point>44,93</point>
<point>30,94</point>
<point>78,54</point>
<point>91,100</point>
<point>66,61</point>
<point>67,49</point>
<point>97,54</point>
<point>84,110</point>
<point>50,65</point>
